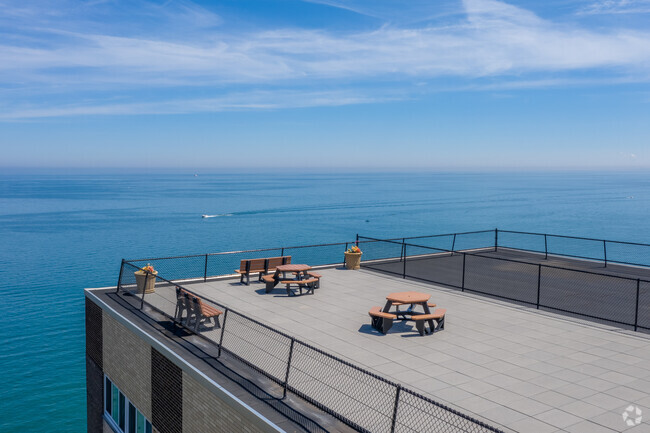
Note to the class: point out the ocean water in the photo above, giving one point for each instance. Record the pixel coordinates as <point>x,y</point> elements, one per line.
<point>61,233</point>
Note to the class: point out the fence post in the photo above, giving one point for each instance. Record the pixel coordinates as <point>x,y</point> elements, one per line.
<point>453,245</point>
<point>496,239</point>
<point>357,242</point>
<point>223,330</point>
<point>205,269</point>
<point>545,247</point>
<point>404,264</point>
<point>286,376</point>
<point>462,286</point>
<point>392,426</point>
<point>605,251</point>
<point>539,282</point>
<point>119,279</point>
<point>401,253</point>
<point>636,311</point>
<point>282,252</point>
<point>144,289</point>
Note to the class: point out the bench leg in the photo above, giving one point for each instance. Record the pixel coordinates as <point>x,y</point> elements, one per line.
<point>248,279</point>
<point>198,322</point>
<point>386,325</point>
<point>269,287</point>
<point>375,322</point>
<point>289,290</point>
<point>216,322</point>
<point>440,326</point>
<point>419,324</point>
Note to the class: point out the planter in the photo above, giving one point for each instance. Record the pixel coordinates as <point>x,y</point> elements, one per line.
<point>352,260</point>
<point>145,282</point>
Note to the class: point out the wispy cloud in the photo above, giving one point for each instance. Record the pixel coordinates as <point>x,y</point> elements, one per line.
<point>43,51</point>
<point>279,99</point>
<point>617,7</point>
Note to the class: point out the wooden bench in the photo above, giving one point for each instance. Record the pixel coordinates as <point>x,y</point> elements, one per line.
<point>438,316</point>
<point>381,321</point>
<point>195,308</point>
<point>308,284</point>
<point>261,266</point>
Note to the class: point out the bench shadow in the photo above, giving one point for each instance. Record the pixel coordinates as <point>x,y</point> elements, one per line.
<point>368,329</point>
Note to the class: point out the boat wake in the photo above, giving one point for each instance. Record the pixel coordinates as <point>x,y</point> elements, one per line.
<point>216,216</point>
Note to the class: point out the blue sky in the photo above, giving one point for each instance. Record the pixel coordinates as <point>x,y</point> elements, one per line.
<point>346,84</point>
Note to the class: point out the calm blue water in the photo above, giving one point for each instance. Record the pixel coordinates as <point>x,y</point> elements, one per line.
<point>62,233</point>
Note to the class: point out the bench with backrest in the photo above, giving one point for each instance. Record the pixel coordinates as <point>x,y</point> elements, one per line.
<point>260,266</point>
<point>381,321</point>
<point>195,309</point>
<point>438,315</point>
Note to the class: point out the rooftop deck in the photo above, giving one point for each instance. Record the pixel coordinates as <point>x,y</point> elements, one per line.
<point>512,366</point>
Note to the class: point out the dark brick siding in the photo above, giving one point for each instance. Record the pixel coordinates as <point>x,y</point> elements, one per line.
<point>166,394</point>
<point>94,341</point>
<point>94,396</point>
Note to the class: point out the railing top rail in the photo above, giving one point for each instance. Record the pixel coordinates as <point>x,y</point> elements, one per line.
<point>430,236</point>
<point>257,250</point>
<point>504,259</point>
<point>575,237</point>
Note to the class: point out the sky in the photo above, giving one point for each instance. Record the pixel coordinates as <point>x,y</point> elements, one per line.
<point>332,84</point>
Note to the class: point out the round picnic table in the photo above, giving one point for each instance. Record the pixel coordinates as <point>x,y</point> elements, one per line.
<point>413,298</point>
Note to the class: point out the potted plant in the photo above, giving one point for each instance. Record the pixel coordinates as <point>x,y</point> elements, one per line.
<point>353,258</point>
<point>145,279</point>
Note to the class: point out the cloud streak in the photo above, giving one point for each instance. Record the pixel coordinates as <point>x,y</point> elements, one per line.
<point>493,40</point>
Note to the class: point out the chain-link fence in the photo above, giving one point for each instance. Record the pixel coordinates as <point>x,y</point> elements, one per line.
<point>468,261</point>
<point>417,413</point>
<point>500,264</point>
<point>361,399</point>
<point>506,279</point>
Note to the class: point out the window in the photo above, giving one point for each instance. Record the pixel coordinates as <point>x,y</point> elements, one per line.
<point>121,414</point>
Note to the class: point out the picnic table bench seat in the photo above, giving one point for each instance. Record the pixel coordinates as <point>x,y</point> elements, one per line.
<point>259,266</point>
<point>381,321</point>
<point>313,274</point>
<point>308,284</point>
<point>438,315</point>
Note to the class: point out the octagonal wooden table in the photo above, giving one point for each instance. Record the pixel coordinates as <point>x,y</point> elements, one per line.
<point>413,298</point>
<point>300,270</point>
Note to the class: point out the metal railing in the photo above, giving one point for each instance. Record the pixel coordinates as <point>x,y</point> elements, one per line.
<point>462,260</point>
<point>361,399</point>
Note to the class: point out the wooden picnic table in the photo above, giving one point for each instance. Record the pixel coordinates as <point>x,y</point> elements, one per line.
<point>300,270</point>
<point>402,298</point>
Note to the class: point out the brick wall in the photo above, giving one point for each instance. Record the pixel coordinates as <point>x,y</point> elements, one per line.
<point>166,394</point>
<point>94,396</point>
<point>127,362</point>
<point>204,412</point>
<point>94,337</point>
<point>173,400</point>
<point>94,373</point>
